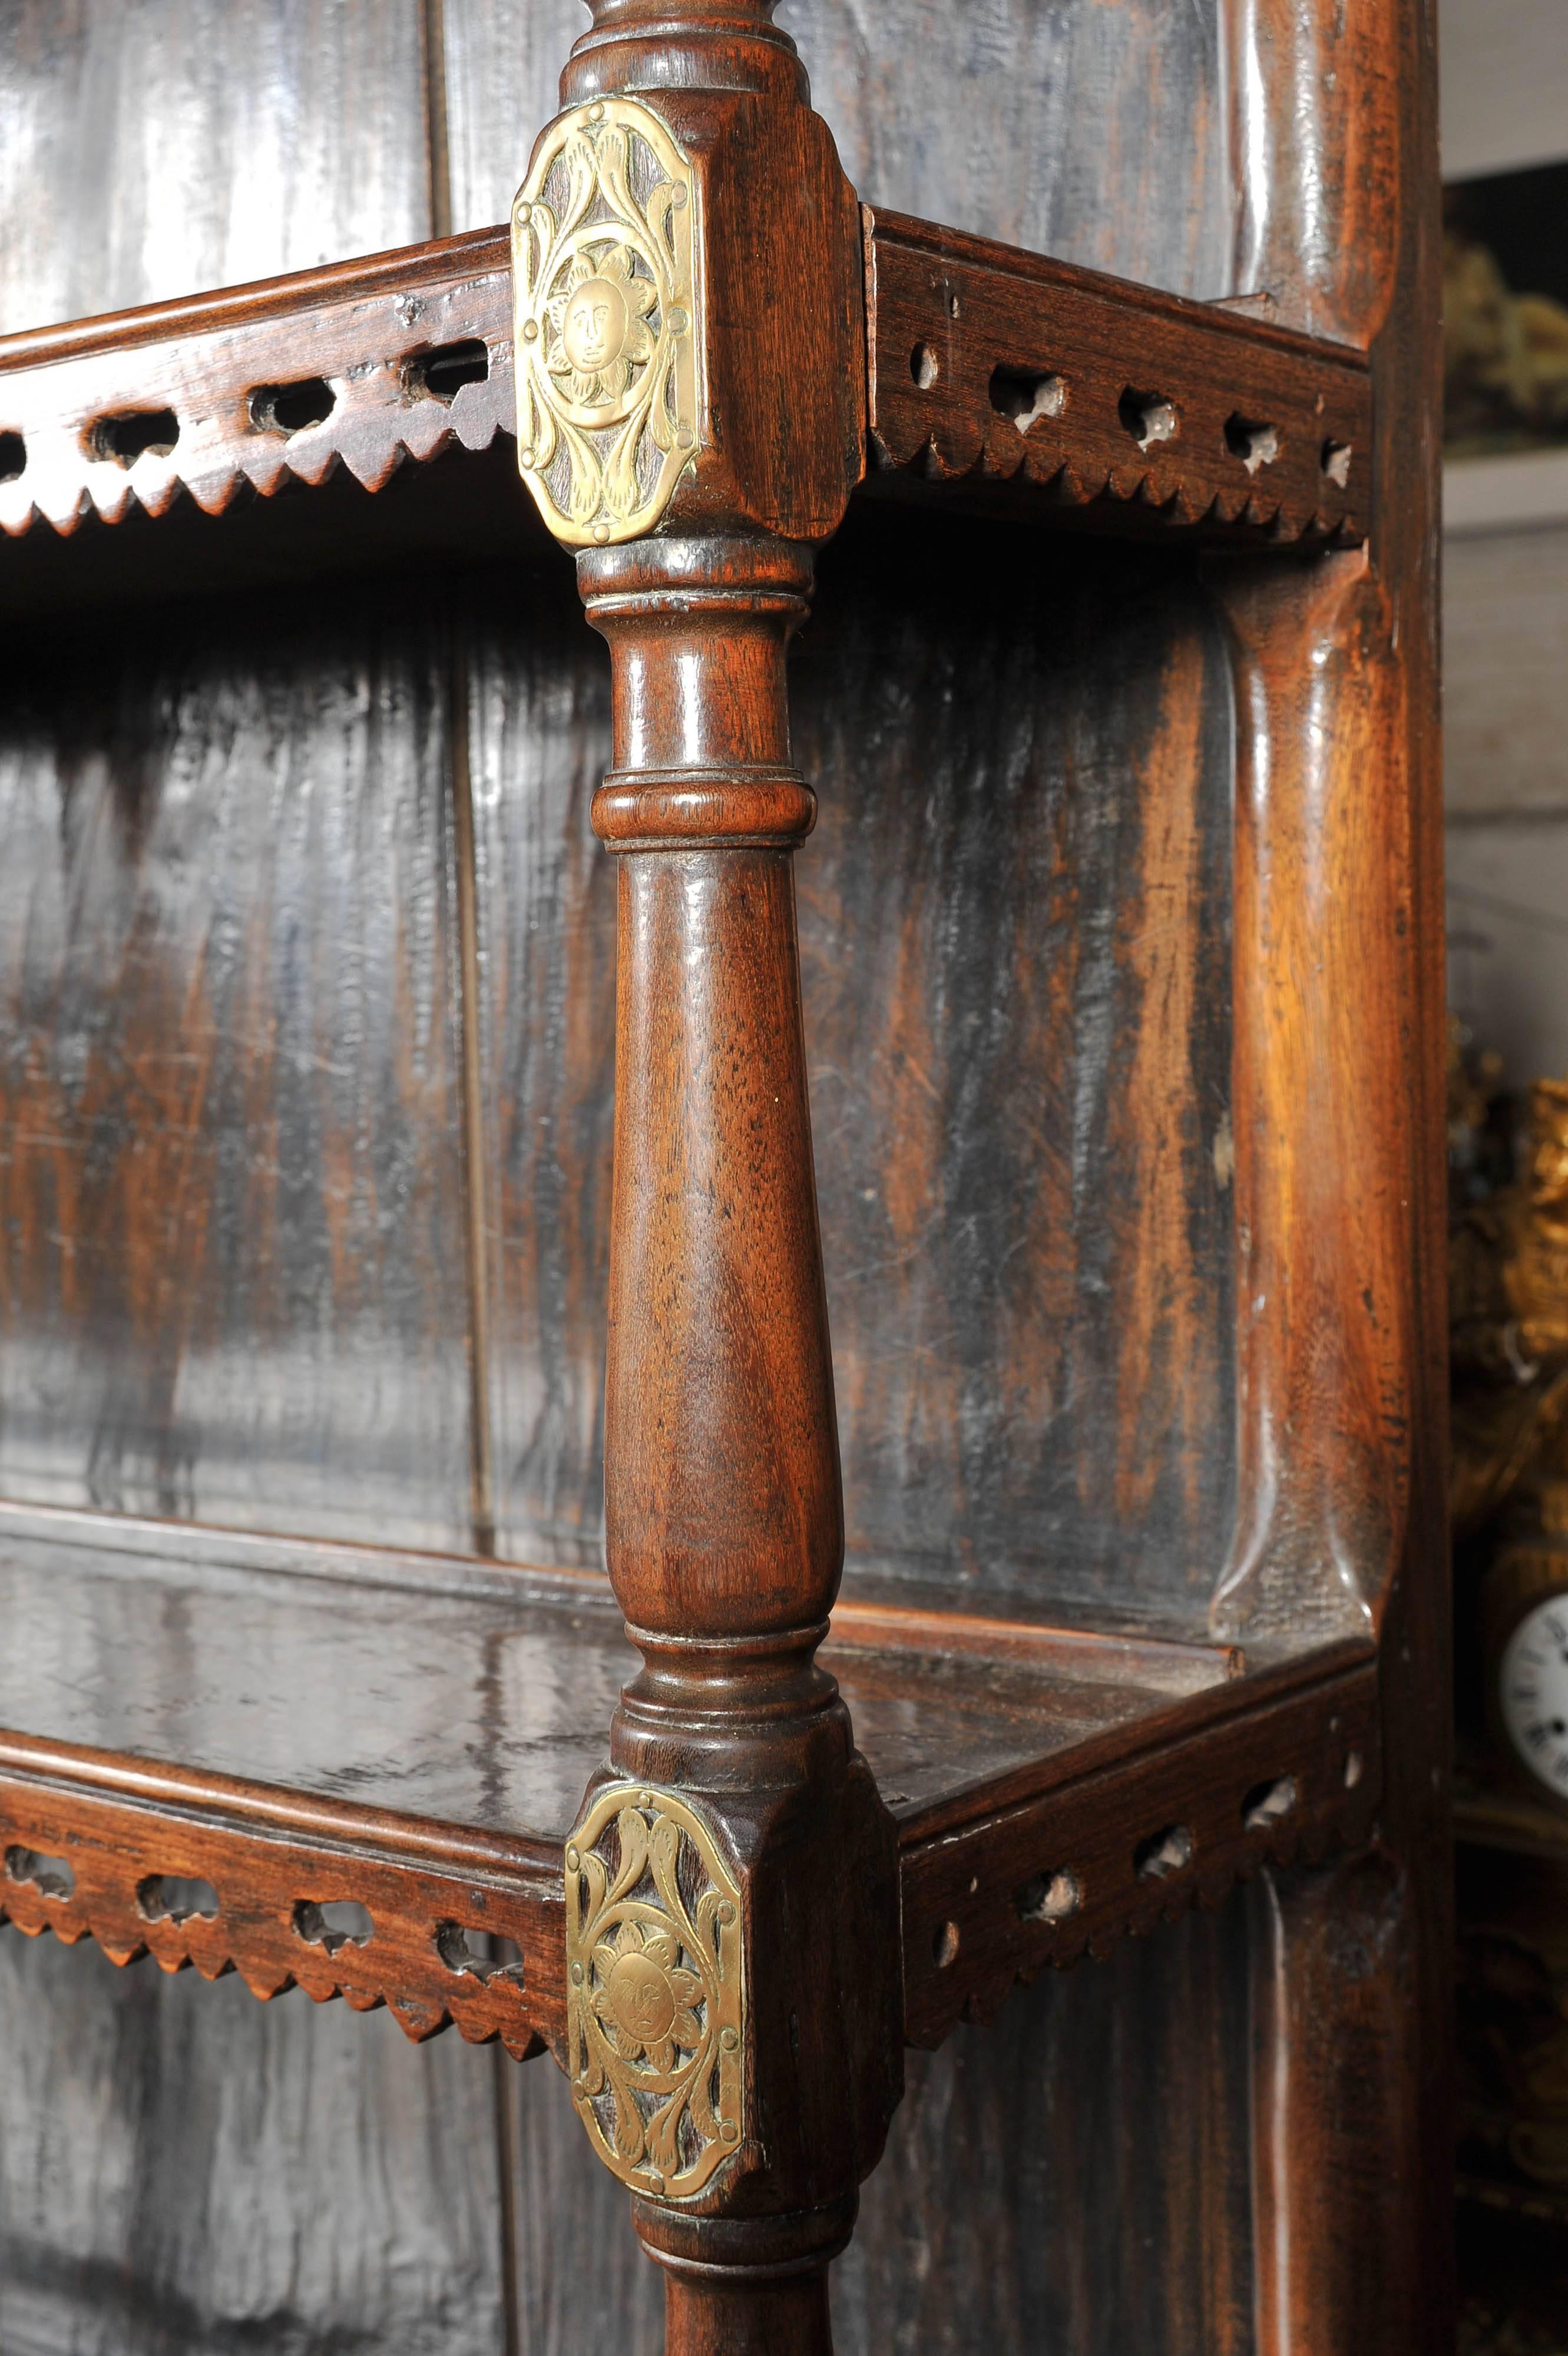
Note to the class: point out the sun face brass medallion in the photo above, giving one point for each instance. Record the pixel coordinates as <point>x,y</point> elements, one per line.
<point>605,250</point>
<point>655,1991</point>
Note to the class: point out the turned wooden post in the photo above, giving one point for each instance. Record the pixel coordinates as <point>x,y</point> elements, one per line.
<point>724,1520</point>
<point>691,363</point>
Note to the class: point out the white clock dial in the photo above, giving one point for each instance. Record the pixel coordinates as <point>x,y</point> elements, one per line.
<point>1534,1692</point>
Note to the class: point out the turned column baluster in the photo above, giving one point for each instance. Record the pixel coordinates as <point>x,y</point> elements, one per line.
<point>691,365</point>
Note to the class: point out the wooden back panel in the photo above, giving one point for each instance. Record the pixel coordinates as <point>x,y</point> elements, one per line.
<point>1141,140</point>
<point>233,1278</point>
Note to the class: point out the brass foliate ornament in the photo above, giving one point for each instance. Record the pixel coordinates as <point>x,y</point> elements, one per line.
<point>655,1991</point>
<point>606,252</point>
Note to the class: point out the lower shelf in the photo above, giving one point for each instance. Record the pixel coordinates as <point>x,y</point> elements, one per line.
<point>354,1771</point>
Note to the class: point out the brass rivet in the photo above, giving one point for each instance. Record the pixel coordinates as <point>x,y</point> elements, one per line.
<point>577,1974</point>
<point>679,323</point>
<point>601,531</point>
<point>728,2040</point>
<point>525,458</point>
<point>729,2131</point>
<point>677,200</point>
<point>683,434</point>
<point>525,212</point>
<point>727,1912</point>
<point>572,1860</point>
<point>596,112</point>
<point>656,2180</point>
<point>645,1799</point>
<point>529,331</point>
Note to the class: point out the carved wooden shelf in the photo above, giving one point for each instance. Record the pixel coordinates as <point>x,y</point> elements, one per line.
<point>411,1735</point>
<point>995,379</point>
<point>1043,388</point>
<point>720,1897</point>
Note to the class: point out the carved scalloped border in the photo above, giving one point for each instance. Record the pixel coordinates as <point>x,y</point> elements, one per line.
<point>945,456</point>
<point>966,1945</point>
<point>261,1880</point>
<point>366,345</point>
<point>973,311</point>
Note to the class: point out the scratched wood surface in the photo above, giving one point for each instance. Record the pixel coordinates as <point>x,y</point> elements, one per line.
<point>1028,2202</point>
<point>1022,2169</point>
<point>230,1248</point>
<point>1099,134</point>
<point>234,1288</point>
<point>1054,1048</point>
<point>184,2170</point>
<point>1019,1069</point>
<point>153,149</point>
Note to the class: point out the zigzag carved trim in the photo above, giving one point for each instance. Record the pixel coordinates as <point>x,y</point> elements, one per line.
<point>1040,385</point>
<point>91,1863</point>
<point>90,1842</point>
<point>362,365</point>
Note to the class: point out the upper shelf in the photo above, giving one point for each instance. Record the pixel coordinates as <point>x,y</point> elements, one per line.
<point>1052,389</point>
<point>995,376</point>
<point>296,1728</point>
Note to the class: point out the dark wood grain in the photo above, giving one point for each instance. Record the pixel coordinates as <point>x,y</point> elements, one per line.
<point>1097,134</point>
<point>1004,369</point>
<point>1101,134</point>
<point>1031,1780</point>
<point>276,386</point>
<point>234,1287</point>
<point>1000,2215</point>
<point>351,342</point>
<point>195,143</point>
<point>1336,2053</point>
<point>1020,1074</point>
<point>539,744</point>
<point>978,1054</point>
<point>495,1686</point>
<point>1101,1467</point>
<point>228,1168</point>
<point>185,2172</point>
<point>1075,2176</point>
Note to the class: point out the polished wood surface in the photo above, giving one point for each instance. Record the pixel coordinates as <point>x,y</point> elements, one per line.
<point>723,1509</point>
<point>491,1702</point>
<point>360,364</point>
<point>231,1193</point>
<point>979,357</point>
<point>1357,2252</point>
<point>1018,372</point>
<point>180,144</point>
<point>1097,1468</point>
<point>1052,1791</point>
<point>972,1057</point>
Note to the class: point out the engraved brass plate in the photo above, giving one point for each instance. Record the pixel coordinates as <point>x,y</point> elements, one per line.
<point>604,247</point>
<point>655,1991</point>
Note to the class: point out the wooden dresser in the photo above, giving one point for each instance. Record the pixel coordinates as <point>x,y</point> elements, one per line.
<point>887,891</point>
